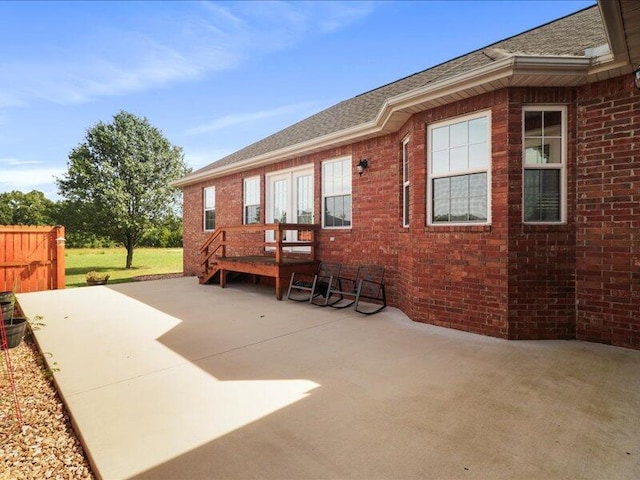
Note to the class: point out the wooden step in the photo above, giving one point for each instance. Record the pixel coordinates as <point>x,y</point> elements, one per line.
<point>209,275</point>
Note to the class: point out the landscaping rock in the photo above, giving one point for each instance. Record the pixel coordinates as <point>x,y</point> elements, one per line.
<point>46,445</point>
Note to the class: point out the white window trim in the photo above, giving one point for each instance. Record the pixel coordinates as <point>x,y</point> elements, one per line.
<point>487,170</point>
<point>244,197</point>
<point>303,169</point>
<point>562,166</point>
<point>405,183</point>
<point>292,174</point>
<point>205,209</point>
<point>349,160</point>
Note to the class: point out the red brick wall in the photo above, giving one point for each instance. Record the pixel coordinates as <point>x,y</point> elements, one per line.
<point>608,213</point>
<point>450,276</point>
<point>458,275</point>
<point>193,235</point>
<point>541,257</point>
<point>506,279</point>
<point>229,205</point>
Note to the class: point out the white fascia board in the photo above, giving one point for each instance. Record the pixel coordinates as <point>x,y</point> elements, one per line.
<point>614,28</point>
<point>277,155</point>
<point>498,70</point>
<point>501,69</point>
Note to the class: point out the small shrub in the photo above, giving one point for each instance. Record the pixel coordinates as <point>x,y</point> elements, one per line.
<point>94,276</point>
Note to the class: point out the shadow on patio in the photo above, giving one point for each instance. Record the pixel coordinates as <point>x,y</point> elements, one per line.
<point>170,379</point>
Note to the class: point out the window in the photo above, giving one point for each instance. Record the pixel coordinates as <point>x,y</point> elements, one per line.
<point>251,200</point>
<point>544,164</point>
<point>405,183</point>
<point>304,207</point>
<point>336,193</point>
<point>209,195</point>
<point>459,171</point>
<point>289,198</point>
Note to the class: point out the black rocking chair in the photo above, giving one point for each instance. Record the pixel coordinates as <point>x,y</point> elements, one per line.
<point>371,287</point>
<point>306,288</point>
<point>344,285</point>
<point>367,283</point>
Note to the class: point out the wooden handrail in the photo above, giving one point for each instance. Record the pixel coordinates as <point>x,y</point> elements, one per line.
<point>256,227</point>
<point>296,243</point>
<point>220,237</point>
<point>210,254</point>
<point>210,239</point>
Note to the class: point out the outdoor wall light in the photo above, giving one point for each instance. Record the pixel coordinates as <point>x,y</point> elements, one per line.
<point>636,78</point>
<point>362,165</point>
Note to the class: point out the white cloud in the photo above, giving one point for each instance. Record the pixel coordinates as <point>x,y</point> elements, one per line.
<point>148,65</point>
<point>8,99</point>
<point>240,118</point>
<point>15,162</point>
<point>197,39</point>
<point>199,158</point>
<point>341,14</point>
<point>29,178</point>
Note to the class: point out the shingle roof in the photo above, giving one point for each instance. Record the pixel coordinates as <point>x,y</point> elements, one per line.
<point>567,36</point>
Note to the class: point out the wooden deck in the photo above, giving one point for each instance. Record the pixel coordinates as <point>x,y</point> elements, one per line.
<point>224,251</point>
<point>265,266</point>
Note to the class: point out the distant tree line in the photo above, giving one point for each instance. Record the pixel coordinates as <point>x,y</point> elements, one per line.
<point>33,208</point>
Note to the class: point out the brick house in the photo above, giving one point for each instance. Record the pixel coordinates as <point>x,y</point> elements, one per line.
<point>502,188</point>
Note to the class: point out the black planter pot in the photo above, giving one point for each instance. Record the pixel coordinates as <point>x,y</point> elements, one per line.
<point>6,297</point>
<point>15,331</point>
<point>7,310</point>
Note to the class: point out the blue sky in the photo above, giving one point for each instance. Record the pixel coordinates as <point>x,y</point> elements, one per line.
<point>215,76</point>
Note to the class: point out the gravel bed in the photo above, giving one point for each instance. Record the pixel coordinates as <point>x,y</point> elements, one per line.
<point>46,446</point>
<point>158,276</point>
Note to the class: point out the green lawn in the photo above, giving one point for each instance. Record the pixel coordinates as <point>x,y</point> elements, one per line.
<point>146,261</point>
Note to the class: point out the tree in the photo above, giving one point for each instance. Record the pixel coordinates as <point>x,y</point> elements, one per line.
<point>18,208</point>
<point>118,179</point>
<point>78,231</point>
<point>167,234</point>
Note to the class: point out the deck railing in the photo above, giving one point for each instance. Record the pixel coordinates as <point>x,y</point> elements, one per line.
<point>271,239</point>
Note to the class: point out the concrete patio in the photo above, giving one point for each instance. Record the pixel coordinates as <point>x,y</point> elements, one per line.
<point>173,380</point>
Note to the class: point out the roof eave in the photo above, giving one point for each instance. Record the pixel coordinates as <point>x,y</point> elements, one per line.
<point>515,70</point>
<point>614,28</point>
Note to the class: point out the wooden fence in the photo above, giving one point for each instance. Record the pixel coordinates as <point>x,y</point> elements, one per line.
<point>31,258</point>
